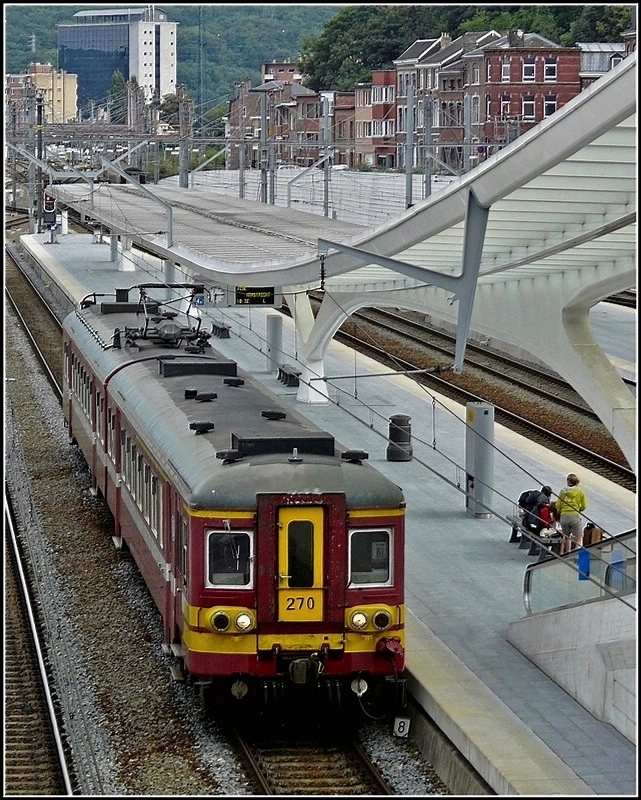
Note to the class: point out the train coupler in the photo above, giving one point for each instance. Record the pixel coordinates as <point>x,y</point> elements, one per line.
<point>305,670</point>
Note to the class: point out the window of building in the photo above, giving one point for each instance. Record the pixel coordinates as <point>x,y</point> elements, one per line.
<point>476,74</point>
<point>505,105</point>
<point>488,71</point>
<point>549,70</point>
<point>549,104</point>
<point>488,107</point>
<point>370,557</point>
<point>364,129</point>
<point>528,73</point>
<point>505,70</point>
<point>475,110</point>
<point>527,107</point>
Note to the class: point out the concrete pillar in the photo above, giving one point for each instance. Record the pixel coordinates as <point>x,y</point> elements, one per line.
<point>274,337</point>
<point>479,458</point>
<point>310,388</point>
<point>125,259</point>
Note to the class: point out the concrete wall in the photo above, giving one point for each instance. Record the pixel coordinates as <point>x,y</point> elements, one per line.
<point>590,651</point>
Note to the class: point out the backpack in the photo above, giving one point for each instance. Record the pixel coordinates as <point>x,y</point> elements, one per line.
<point>528,499</point>
<point>529,502</point>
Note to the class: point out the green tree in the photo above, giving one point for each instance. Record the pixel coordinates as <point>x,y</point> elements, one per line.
<point>118,99</point>
<point>359,39</point>
<point>598,24</point>
<point>168,110</point>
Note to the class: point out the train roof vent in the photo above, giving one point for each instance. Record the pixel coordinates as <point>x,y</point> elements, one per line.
<point>233,381</point>
<point>355,456</point>
<point>174,367</point>
<point>269,414</point>
<point>201,427</point>
<point>255,444</point>
<point>229,455</point>
<point>205,397</point>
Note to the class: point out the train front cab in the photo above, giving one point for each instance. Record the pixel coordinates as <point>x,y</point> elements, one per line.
<point>303,592</point>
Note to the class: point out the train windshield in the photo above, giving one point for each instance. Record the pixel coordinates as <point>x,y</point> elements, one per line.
<point>370,557</point>
<point>229,558</point>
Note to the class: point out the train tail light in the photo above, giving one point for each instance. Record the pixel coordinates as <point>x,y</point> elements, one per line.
<point>220,621</point>
<point>382,619</point>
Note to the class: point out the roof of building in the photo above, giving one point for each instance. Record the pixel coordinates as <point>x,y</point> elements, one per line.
<point>416,50</point>
<point>462,44</point>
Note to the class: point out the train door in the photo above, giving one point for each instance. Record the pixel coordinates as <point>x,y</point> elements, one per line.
<point>300,563</point>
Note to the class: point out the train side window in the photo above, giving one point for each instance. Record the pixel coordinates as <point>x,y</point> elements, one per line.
<point>183,555</point>
<point>370,557</point>
<point>229,558</point>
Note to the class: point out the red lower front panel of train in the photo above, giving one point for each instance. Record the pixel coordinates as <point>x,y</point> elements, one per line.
<point>219,648</point>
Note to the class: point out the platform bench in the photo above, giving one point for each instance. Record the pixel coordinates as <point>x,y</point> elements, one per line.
<point>545,545</point>
<point>515,533</point>
<point>220,329</point>
<point>288,374</point>
<point>538,545</point>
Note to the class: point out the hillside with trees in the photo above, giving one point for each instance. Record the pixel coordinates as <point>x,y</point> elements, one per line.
<point>220,46</point>
<point>362,38</point>
<point>236,40</point>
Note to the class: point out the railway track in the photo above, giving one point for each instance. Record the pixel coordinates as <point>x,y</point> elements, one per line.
<point>304,764</point>
<point>36,760</point>
<point>360,781</point>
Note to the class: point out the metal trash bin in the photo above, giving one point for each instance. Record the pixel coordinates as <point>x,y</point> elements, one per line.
<point>400,438</point>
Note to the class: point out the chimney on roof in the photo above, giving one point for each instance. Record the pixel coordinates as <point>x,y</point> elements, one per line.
<point>515,38</point>
<point>446,40</point>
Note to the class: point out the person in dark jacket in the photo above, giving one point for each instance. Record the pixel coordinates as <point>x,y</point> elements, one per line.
<point>529,502</point>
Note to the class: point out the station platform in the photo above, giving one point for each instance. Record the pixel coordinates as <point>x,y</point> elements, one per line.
<point>522,732</point>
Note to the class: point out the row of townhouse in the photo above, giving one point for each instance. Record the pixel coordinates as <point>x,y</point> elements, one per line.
<point>447,103</point>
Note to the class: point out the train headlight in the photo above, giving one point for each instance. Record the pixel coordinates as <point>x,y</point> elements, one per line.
<point>382,619</point>
<point>358,620</point>
<point>244,621</point>
<point>220,621</point>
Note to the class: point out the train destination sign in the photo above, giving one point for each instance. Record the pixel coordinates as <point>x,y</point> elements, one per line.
<point>254,295</point>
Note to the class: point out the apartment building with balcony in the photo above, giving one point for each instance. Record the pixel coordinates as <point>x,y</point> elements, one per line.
<point>409,88</point>
<point>465,99</point>
<point>523,78</point>
<point>278,121</point>
<point>337,126</point>
<point>56,93</point>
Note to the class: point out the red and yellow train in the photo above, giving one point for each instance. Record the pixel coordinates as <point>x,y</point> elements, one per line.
<point>275,559</point>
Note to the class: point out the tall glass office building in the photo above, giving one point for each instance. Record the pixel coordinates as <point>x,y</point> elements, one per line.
<point>135,41</point>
